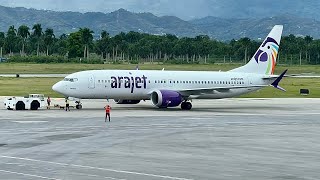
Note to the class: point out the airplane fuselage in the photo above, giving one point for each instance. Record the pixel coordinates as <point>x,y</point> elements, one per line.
<point>139,84</point>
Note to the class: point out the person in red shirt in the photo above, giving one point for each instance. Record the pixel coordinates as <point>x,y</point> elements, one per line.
<point>108,109</point>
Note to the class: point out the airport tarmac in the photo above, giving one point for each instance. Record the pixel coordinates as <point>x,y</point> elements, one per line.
<point>217,139</point>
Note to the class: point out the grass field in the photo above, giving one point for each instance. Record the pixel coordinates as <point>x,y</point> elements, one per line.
<point>24,86</point>
<point>23,68</point>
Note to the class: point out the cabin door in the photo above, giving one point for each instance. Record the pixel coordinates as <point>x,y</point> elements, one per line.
<point>91,82</point>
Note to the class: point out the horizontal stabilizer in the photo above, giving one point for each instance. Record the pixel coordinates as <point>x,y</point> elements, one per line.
<point>275,84</point>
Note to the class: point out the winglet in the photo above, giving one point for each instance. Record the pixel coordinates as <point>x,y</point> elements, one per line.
<point>277,81</point>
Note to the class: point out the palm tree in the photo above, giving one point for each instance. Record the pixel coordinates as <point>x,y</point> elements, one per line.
<point>23,32</point>
<point>102,44</point>
<point>308,40</point>
<point>11,38</point>
<point>104,34</point>
<point>2,40</point>
<point>87,39</point>
<point>245,43</point>
<point>37,32</point>
<point>48,38</point>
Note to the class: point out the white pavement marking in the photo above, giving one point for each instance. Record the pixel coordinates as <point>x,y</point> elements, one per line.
<point>30,122</point>
<point>97,168</point>
<point>30,175</point>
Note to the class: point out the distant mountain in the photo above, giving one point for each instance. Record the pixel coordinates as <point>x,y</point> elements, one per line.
<point>115,22</point>
<point>226,29</point>
<point>124,21</point>
<point>185,9</point>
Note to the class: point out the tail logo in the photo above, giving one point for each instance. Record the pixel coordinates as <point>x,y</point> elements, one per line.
<point>268,53</point>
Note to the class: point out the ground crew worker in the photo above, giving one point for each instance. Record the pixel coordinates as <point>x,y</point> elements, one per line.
<point>48,102</point>
<point>67,105</point>
<point>108,109</point>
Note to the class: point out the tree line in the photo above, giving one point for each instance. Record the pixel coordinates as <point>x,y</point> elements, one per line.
<point>25,44</point>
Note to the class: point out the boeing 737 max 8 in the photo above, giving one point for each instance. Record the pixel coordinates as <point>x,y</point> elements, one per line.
<point>174,88</point>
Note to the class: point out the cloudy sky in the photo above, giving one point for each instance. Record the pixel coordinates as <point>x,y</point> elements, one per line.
<point>185,9</point>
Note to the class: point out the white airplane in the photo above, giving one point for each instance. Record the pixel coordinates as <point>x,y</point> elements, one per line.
<point>173,88</point>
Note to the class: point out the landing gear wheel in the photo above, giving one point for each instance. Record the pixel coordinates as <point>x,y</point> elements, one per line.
<point>186,106</point>
<point>183,105</point>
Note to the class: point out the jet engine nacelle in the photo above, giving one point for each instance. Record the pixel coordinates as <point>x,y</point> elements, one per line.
<point>121,101</point>
<point>166,98</point>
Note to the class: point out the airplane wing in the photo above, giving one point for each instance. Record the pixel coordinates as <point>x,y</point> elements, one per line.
<point>200,91</point>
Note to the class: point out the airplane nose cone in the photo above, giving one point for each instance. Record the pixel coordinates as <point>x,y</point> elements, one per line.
<point>57,87</point>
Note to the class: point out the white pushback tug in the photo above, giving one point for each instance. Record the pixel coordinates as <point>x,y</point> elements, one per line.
<point>32,102</point>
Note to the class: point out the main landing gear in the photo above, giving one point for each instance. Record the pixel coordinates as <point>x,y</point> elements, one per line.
<point>186,105</point>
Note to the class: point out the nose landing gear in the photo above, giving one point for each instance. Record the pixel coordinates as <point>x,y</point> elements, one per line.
<point>186,105</point>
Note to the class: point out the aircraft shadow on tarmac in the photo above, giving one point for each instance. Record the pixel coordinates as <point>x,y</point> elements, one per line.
<point>225,108</point>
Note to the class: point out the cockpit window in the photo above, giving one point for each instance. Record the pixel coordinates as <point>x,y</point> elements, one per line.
<point>71,79</point>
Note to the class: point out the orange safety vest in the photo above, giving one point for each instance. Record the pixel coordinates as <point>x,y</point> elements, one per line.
<point>107,109</point>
